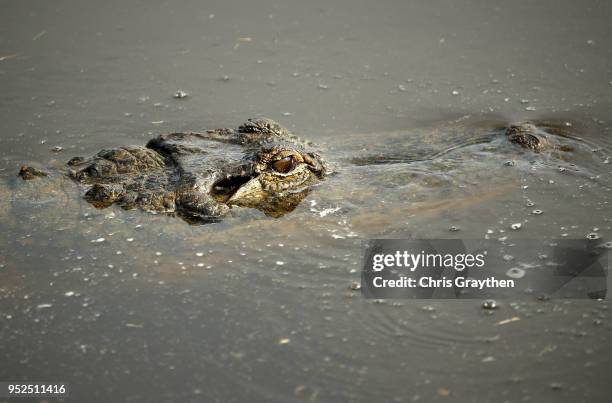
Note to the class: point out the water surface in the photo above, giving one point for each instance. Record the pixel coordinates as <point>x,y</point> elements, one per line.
<point>404,99</point>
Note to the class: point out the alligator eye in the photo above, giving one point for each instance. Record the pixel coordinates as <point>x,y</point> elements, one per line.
<point>284,165</point>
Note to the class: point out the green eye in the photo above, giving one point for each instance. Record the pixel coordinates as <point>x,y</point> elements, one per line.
<point>284,165</point>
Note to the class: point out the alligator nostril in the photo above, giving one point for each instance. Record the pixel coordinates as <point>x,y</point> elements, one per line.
<point>223,189</point>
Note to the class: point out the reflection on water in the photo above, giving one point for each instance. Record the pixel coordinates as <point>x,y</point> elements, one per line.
<point>406,102</point>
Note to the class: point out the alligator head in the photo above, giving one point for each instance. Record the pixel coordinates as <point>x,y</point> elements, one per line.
<point>201,176</point>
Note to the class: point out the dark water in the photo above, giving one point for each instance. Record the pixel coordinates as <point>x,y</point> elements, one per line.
<point>129,306</point>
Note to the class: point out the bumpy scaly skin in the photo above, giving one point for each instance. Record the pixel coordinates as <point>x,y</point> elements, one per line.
<point>524,135</point>
<point>537,138</point>
<point>201,176</point>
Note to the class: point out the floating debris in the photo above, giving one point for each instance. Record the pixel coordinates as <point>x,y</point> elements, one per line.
<point>455,93</point>
<point>443,392</point>
<point>593,236</point>
<point>402,88</point>
<point>180,94</point>
<point>39,35</point>
<point>98,240</point>
<point>556,386</point>
<point>69,293</point>
<point>279,263</point>
<point>515,272</point>
<point>453,228</point>
<point>537,212</point>
<point>43,306</point>
<point>506,321</point>
<point>516,226</point>
<point>284,340</point>
<point>14,55</point>
<point>323,86</point>
<point>355,286</point>
<point>510,163</point>
<point>57,149</point>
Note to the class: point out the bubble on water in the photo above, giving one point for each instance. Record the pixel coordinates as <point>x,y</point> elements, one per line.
<point>455,93</point>
<point>524,101</point>
<point>537,212</point>
<point>489,304</point>
<point>158,253</point>
<point>323,86</point>
<point>130,239</point>
<point>556,386</point>
<point>98,240</point>
<point>516,226</point>
<point>279,263</point>
<point>593,236</point>
<point>508,258</point>
<point>530,108</point>
<point>69,293</point>
<point>515,272</point>
<point>402,88</point>
<point>607,245</point>
<point>199,254</point>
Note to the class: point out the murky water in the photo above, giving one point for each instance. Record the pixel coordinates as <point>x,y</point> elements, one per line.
<point>405,100</point>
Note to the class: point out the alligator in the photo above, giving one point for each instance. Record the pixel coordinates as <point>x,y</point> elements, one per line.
<point>200,176</point>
